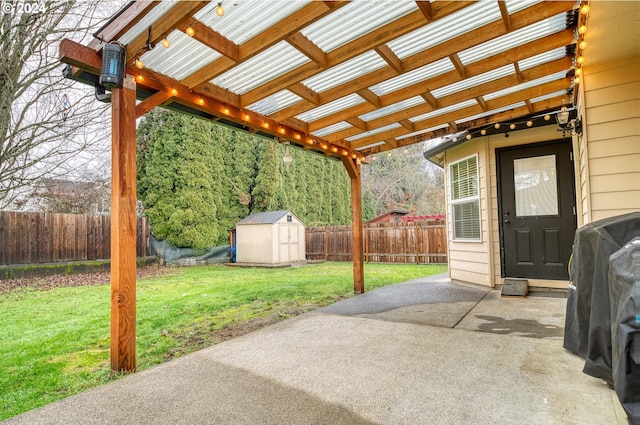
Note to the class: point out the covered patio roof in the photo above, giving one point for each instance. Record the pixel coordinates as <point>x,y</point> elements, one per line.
<point>348,78</point>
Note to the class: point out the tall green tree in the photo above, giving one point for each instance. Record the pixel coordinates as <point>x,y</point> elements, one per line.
<point>175,180</point>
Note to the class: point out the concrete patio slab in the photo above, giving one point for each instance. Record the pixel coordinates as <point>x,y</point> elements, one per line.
<point>329,368</point>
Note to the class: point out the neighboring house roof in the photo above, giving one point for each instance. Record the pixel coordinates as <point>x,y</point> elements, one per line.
<point>397,211</point>
<point>268,217</point>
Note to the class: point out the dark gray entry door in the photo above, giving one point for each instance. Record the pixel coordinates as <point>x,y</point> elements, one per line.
<point>537,210</point>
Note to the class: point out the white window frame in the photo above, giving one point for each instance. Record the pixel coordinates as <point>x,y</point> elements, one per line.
<point>468,200</point>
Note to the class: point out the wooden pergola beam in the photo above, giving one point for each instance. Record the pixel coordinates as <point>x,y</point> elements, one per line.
<point>454,98</point>
<point>211,38</point>
<point>510,115</point>
<point>460,114</point>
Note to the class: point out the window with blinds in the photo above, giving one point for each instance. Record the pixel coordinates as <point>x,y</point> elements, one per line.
<point>465,199</point>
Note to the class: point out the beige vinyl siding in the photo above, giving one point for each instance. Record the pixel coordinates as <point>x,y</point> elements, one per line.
<point>610,146</point>
<point>469,260</point>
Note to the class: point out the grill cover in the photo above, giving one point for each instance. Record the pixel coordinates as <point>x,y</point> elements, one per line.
<point>624,294</point>
<point>588,317</point>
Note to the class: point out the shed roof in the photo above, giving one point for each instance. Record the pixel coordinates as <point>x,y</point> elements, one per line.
<point>268,217</point>
<point>347,78</point>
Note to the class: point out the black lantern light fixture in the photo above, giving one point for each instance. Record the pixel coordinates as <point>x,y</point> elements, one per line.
<point>113,63</point>
<point>565,124</point>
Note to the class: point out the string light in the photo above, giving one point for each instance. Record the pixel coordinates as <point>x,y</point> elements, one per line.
<point>190,31</point>
<point>580,60</point>
<point>576,80</point>
<point>582,45</point>
<point>547,117</point>
<point>483,132</point>
<point>334,149</point>
<point>585,9</point>
<point>512,126</point>
<point>578,71</point>
<point>497,126</point>
<point>165,43</point>
<point>582,29</point>
<point>139,78</point>
<point>226,110</point>
<point>174,92</point>
<point>469,136</point>
<point>139,63</point>
<point>529,123</point>
<point>201,101</point>
<point>219,10</point>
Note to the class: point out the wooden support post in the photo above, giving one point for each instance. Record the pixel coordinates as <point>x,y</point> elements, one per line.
<point>353,168</point>
<point>123,227</point>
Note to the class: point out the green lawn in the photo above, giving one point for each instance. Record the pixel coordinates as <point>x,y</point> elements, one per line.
<point>55,343</point>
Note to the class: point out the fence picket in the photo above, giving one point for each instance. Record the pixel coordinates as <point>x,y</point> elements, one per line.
<point>29,238</point>
<point>411,242</point>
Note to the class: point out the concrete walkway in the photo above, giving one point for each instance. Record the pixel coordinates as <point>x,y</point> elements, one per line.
<point>422,352</point>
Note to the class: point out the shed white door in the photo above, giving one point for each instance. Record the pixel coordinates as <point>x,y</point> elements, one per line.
<point>288,236</point>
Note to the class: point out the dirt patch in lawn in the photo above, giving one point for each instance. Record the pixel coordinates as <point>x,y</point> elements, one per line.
<point>45,283</point>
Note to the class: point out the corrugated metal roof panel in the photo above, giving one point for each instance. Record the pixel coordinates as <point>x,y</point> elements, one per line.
<point>545,57</point>
<point>492,112</point>
<point>517,38</point>
<point>182,58</point>
<point>416,133</point>
<point>372,132</point>
<point>252,73</point>
<point>275,102</point>
<point>390,109</point>
<point>423,73</point>
<point>474,81</point>
<point>444,29</point>
<point>549,96</point>
<point>244,19</point>
<point>321,132</point>
<point>373,145</point>
<point>441,111</point>
<point>337,29</point>
<point>346,71</point>
<point>533,83</point>
<point>514,6</point>
<point>331,107</point>
<point>147,21</point>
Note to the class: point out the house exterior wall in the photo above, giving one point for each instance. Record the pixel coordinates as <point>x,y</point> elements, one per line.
<point>479,262</point>
<point>254,243</point>
<point>608,166</point>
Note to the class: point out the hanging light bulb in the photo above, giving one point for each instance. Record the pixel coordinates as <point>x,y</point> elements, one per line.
<point>578,71</point>
<point>190,31</point>
<point>512,126</point>
<point>219,9</point>
<point>165,43</point>
<point>139,78</point>
<point>483,131</point>
<point>576,80</point>
<point>497,126</point>
<point>529,123</point>
<point>580,60</point>
<point>585,9</point>
<point>582,29</point>
<point>582,45</point>
<point>469,136</point>
<point>174,92</point>
<point>139,63</point>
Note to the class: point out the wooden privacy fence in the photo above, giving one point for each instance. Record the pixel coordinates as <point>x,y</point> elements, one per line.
<point>414,242</point>
<point>29,238</point>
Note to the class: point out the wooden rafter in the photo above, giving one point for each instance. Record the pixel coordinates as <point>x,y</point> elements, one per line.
<point>211,39</point>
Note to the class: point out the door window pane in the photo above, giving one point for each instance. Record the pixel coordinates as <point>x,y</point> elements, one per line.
<point>536,186</point>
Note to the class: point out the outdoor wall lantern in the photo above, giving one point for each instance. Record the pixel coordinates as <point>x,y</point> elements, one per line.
<point>113,63</point>
<point>565,125</point>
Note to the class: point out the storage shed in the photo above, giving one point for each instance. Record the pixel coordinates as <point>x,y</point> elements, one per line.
<point>273,237</point>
